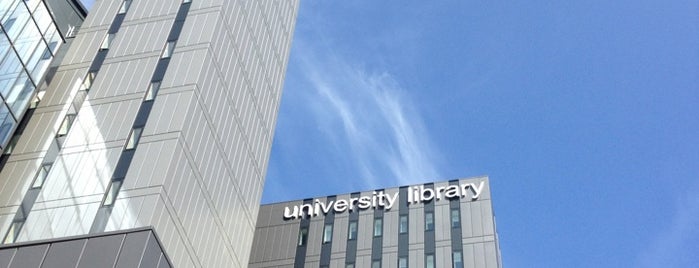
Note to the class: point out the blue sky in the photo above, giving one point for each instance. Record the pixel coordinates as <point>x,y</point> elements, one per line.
<point>583,113</point>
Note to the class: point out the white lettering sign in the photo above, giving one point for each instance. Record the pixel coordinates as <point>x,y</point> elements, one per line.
<point>416,194</point>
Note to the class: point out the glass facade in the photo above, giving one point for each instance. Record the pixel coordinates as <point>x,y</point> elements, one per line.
<point>28,43</point>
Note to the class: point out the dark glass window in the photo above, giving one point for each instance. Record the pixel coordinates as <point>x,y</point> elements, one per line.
<point>303,236</point>
<point>403,262</point>
<point>352,232</point>
<point>455,218</point>
<point>457,262</point>
<point>328,233</point>
<point>378,227</point>
<point>429,221</point>
<point>403,227</point>
<point>429,261</point>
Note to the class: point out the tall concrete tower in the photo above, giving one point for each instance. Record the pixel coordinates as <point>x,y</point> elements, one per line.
<point>161,115</point>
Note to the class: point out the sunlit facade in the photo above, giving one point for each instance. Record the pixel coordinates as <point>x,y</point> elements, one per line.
<point>161,115</point>
<point>30,40</point>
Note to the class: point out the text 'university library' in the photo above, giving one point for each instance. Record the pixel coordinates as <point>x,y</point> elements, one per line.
<point>139,135</point>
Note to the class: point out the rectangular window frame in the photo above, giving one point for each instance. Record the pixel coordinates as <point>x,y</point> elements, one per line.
<point>110,196</point>
<point>152,91</point>
<point>429,221</point>
<point>41,175</point>
<point>133,139</point>
<point>429,261</point>
<point>457,260</point>
<point>303,237</point>
<point>168,50</point>
<point>328,233</point>
<point>352,230</point>
<point>403,224</point>
<point>455,215</point>
<point>378,227</point>
<point>403,262</point>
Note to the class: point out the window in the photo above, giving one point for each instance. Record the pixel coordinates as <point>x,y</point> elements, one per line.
<point>65,126</point>
<point>455,218</point>
<point>124,6</point>
<point>429,221</point>
<point>12,232</point>
<point>352,232</point>
<point>378,227</point>
<point>111,193</point>
<point>107,41</point>
<point>457,262</point>
<point>133,138</point>
<point>152,91</point>
<point>376,264</point>
<point>328,233</point>
<point>41,176</point>
<point>403,262</point>
<point>87,83</point>
<point>350,265</point>
<point>303,236</point>
<point>403,227</point>
<point>429,261</point>
<point>167,51</point>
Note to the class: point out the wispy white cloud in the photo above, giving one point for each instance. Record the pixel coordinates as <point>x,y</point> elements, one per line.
<point>676,244</point>
<point>370,116</point>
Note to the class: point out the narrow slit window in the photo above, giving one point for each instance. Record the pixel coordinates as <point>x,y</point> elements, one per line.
<point>124,6</point>
<point>303,236</point>
<point>457,261</point>
<point>66,125</point>
<point>429,261</point>
<point>12,232</point>
<point>403,226</point>
<point>352,232</point>
<point>402,262</point>
<point>378,227</point>
<point>152,91</point>
<point>455,218</point>
<point>111,193</point>
<point>107,41</point>
<point>429,221</point>
<point>133,138</point>
<point>167,51</point>
<point>87,83</point>
<point>41,176</point>
<point>328,233</point>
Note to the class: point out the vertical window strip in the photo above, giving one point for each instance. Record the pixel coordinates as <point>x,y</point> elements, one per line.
<point>99,222</point>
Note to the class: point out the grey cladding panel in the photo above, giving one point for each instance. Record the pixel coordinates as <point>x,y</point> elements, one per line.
<point>132,250</point>
<point>64,254</point>
<point>101,251</point>
<point>6,256</point>
<point>29,257</point>
<point>152,253</point>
